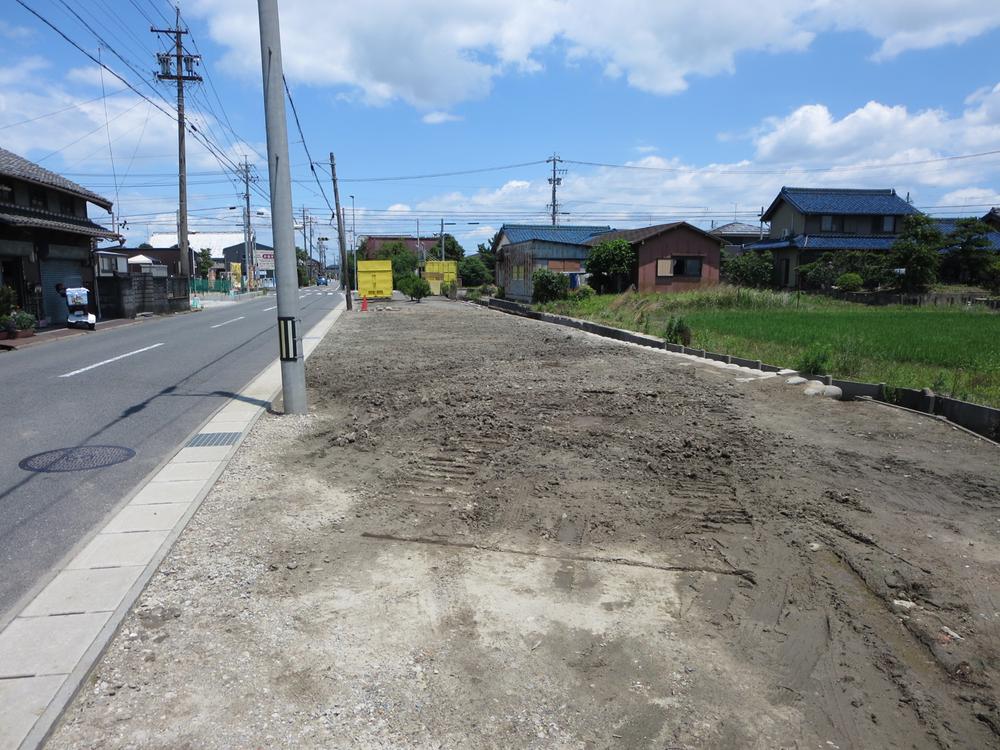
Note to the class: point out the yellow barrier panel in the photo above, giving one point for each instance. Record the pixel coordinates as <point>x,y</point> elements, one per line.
<point>375,279</point>
<point>438,272</point>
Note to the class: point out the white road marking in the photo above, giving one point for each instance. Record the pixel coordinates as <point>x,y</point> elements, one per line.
<point>109,361</point>
<point>273,307</point>
<point>219,325</point>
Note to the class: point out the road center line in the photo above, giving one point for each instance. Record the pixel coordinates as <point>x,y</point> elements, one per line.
<point>272,307</point>
<point>109,361</point>
<point>219,325</point>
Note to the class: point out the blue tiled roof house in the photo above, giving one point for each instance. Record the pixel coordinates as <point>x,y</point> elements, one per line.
<point>807,222</point>
<point>522,248</point>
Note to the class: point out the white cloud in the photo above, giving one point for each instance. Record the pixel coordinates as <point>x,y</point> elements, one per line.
<point>435,53</point>
<point>438,118</point>
<point>399,208</point>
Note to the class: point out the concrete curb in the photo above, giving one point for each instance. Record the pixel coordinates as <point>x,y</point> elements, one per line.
<point>42,675</point>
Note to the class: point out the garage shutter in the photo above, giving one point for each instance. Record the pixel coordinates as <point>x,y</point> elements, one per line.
<point>65,272</point>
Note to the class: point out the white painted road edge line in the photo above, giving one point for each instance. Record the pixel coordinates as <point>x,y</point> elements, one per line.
<point>219,325</point>
<point>109,361</point>
<point>272,307</point>
<point>130,539</point>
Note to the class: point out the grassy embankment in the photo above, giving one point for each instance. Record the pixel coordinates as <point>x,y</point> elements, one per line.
<point>953,351</point>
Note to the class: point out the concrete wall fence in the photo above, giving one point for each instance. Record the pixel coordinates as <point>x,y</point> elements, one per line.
<point>983,420</point>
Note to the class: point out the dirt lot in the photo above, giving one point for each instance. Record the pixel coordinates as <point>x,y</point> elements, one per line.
<point>492,532</point>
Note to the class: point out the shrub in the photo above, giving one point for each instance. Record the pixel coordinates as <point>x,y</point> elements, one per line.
<point>754,269</point>
<point>474,293</point>
<point>449,289</point>
<point>500,292</point>
<point>403,285</point>
<point>850,282</point>
<point>583,292</point>
<point>488,290</point>
<point>473,271</point>
<point>814,361</point>
<point>677,331</point>
<point>22,320</point>
<point>6,325</point>
<point>418,288</point>
<point>548,286</point>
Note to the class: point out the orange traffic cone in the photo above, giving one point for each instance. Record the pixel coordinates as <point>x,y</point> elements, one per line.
<point>364,304</point>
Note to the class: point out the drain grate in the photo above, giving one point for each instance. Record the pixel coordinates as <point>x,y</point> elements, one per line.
<point>80,458</point>
<point>213,439</point>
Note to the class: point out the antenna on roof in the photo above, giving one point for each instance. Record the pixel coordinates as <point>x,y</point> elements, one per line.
<point>908,197</point>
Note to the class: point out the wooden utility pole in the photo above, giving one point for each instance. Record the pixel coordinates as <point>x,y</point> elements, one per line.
<point>246,220</point>
<point>182,71</point>
<point>340,233</point>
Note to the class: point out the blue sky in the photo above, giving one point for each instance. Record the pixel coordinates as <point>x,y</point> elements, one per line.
<point>718,103</point>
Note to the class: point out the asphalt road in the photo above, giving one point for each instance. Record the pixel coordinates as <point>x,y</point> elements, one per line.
<point>143,387</point>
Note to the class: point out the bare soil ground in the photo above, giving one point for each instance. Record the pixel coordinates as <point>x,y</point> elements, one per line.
<point>492,532</point>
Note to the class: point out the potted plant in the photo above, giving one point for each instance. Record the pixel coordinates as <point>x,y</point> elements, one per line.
<point>24,324</point>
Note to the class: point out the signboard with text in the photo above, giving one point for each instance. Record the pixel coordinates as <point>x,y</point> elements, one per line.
<point>265,260</point>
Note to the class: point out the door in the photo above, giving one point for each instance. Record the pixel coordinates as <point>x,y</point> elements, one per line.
<point>65,272</point>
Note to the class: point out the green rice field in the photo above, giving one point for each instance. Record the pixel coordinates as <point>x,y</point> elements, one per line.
<point>955,351</point>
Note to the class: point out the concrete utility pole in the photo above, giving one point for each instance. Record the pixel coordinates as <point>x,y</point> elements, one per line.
<point>293,371</point>
<point>182,62</point>
<point>246,220</point>
<point>340,231</point>
<point>555,181</point>
<point>354,244</point>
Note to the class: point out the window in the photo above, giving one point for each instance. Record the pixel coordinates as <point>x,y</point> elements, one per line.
<point>889,224</point>
<point>664,267</point>
<point>38,200</point>
<point>6,192</point>
<point>690,267</point>
<point>831,224</point>
<point>67,205</point>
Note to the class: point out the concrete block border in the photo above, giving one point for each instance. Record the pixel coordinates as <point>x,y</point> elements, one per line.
<point>976,418</point>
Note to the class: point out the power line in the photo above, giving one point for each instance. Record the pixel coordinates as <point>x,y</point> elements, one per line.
<point>440,174</point>
<point>305,146</point>
<point>76,105</point>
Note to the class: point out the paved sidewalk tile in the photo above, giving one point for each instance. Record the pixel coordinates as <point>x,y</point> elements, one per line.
<point>89,590</point>
<point>47,645</point>
<point>186,472</point>
<point>23,701</point>
<point>161,517</point>
<point>208,453</point>
<point>168,492</point>
<point>117,550</point>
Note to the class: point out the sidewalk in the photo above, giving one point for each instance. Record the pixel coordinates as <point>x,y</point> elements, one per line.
<point>491,532</point>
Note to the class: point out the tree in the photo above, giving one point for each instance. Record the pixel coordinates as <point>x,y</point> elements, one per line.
<point>753,268</point>
<point>302,262</point>
<point>488,255</point>
<point>473,271</point>
<point>145,246</point>
<point>452,250</point>
<point>416,288</point>
<point>917,251</point>
<point>205,262</point>
<point>991,275</point>
<point>404,261</point>
<point>347,273</point>
<point>968,251</point>
<point>611,265</point>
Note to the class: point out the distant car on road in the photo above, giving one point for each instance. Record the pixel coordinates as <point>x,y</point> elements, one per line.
<point>323,281</point>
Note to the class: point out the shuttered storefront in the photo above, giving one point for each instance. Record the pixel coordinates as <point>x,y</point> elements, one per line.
<point>65,272</point>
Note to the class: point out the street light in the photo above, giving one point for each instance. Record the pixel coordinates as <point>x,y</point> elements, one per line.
<point>450,224</point>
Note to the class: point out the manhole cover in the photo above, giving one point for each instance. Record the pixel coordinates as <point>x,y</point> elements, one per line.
<point>77,459</point>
